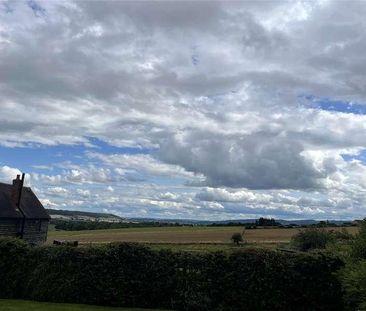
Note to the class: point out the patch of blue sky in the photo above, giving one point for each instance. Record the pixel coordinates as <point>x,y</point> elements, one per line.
<point>41,157</point>
<point>361,156</point>
<point>28,158</point>
<point>333,105</point>
<point>100,145</point>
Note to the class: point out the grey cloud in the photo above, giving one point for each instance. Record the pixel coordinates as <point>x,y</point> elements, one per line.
<point>123,72</point>
<point>258,161</point>
<point>157,14</point>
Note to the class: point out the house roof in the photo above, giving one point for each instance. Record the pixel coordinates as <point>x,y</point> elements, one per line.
<point>29,204</point>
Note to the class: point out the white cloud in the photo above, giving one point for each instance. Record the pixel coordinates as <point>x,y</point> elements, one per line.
<point>57,190</point>
<point>216,89</point>
<point>7,174</point>
<point>83,193</point>
<point>125,163</point>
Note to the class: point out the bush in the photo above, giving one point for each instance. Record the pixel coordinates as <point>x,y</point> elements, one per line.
<point>237,238</point>
<point>13,260</point>
<point>353,277</point>
<point>354,284</point>
<point>312,238</point>
<point>342,235</point>
<point>130,275</point>
<point>358,246</point>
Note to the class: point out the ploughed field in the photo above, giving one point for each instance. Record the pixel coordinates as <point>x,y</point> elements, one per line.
<point>179,235</point>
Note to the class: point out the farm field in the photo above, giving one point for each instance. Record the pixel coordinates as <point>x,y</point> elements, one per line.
<point>24,305</point>
<point>179,235</point>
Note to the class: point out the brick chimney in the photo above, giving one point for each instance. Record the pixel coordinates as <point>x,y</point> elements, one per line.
<point>16,191</point>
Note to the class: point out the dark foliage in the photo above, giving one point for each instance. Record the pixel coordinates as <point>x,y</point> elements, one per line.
<point>354,283</point>
<point>312,238</point>
<point>13,264</point>
<point>265,222</point>
<point>237,238</point>
<point>78,225</point>
<point>353,277</point>
<point>342,235</point>
<point>73,225</point>
<point>134,276</point>
<point>358,248</point>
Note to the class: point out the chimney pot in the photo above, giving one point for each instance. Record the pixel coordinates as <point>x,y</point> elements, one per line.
<point>16,191</point>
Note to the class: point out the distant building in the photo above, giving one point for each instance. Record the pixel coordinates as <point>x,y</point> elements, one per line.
<point>21,213</point>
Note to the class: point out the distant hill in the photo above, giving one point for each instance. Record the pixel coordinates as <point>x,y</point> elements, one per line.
<point>102,217</point>
<point>83,216</point>
<point>298,222</point>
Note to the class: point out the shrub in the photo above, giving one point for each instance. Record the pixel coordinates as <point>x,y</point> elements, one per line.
<point>353,277</point>
<point>13,259</point>
<point>354,284</point>
<point>237,238</point>
<point>342,235</point>
<point>358,246</point>
<point>130,275</point>
<point>312,238</point>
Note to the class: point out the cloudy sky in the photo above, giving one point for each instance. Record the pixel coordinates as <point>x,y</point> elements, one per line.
<point>201,110</point>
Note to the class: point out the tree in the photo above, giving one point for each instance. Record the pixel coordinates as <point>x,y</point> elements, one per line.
<point>264,222</point>
<point>237,238</point>
<point>312,238</point>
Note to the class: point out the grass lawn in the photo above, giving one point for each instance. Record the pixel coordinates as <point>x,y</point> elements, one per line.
<point>24,305</point>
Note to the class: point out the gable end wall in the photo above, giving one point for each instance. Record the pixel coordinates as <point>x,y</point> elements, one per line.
<point>9,227</point>
<point>35,231</point>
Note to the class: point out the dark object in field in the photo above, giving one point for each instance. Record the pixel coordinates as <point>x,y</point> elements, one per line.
<point>65,242</point>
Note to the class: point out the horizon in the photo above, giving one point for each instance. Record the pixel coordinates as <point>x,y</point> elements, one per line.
<point>205,220</point>
<point>186,110</point>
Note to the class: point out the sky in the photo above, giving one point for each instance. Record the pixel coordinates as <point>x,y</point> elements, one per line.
<point>193,110</point>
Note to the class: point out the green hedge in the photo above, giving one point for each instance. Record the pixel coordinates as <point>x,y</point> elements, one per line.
<point>135,276</point>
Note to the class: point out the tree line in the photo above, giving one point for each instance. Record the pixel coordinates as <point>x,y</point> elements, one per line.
<point>78,225</point>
